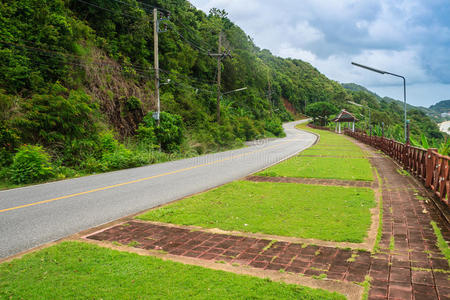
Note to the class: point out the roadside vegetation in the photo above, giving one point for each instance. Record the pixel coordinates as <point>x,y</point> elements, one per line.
<point>287,209</point>
<point>76,89</point>
<point>74,270</point>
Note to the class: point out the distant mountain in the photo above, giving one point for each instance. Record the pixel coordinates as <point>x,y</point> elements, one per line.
<point>441,107</point>
<point>357,88</point>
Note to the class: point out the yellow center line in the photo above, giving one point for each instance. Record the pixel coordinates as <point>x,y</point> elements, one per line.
<point>141,179</point>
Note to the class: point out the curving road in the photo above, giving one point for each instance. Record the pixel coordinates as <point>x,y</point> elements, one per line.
<point>35,215</point>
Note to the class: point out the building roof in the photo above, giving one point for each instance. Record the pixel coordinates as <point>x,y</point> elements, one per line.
<point>345,116</point>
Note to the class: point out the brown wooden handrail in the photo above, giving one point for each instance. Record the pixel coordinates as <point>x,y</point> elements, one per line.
<point>427,165</point>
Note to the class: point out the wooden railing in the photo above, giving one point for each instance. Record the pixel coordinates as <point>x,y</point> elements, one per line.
<point>311,125</point>
<point>428,166</point>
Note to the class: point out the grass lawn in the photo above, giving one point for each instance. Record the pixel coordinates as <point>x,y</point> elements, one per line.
<point>330,144</point>
<point>74,270</point>
<point>322,167</point>
<point>328,138</point>
<point>288,209</point>
<point>333,151</point>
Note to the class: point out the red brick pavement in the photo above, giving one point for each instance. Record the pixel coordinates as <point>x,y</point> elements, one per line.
<point>259,253</point>
<point>318,181</point>
<point>408,264</point>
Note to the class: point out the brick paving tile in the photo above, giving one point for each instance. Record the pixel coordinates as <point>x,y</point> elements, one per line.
<point>414,269</point>
<point>334,182</point>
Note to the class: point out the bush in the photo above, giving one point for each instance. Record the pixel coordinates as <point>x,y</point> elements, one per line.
<point>57,119</point>
<point>30,164</point>
<point>146,136</point>
<point>92,165</point>
<point>248,129</point>
<point>8,143</point>
<point>274,126</point>
<point>123,158</point>
<point>133,103</point>
<point>108,142</point>
<point>169,134</point>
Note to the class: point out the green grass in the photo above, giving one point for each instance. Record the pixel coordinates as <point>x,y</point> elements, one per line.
<point>441,243</point>
<point>308,211</point>
<point>330,144</point>
<point>333,151</point>
<point>376,246</point>
<point>322,167</point>
<point>74,270</point>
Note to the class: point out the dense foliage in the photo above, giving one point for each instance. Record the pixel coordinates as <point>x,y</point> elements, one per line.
<point>321,112</point>
<point>77,78</point>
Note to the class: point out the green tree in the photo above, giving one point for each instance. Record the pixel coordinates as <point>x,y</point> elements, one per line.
<point>321,111</point>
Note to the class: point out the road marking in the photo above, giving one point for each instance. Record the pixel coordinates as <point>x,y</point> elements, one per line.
<point>141,179</point>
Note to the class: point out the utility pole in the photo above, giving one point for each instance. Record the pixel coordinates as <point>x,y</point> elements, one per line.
<point>269,95</point>
<point>219,56</point>
<point>156,31</point>
<point>219,75</point>
<point>156,62</point>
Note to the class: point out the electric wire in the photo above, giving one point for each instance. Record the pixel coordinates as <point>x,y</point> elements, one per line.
<point>107,9</point>
<point>61,56</point>
<point>99,61</point>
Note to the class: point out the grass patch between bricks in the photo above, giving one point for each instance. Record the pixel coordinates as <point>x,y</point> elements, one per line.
<point>441,243</point>
<point>322,167</point>
<point>288,209</point>
<point>74,270</point>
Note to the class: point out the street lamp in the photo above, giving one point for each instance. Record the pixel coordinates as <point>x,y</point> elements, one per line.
<point>389,73</point>
<point>237,90</point>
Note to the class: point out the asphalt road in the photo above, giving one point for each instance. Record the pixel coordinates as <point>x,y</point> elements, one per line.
<point>35,215</point>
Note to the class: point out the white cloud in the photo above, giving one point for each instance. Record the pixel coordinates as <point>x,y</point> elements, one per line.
<point>408,37</point>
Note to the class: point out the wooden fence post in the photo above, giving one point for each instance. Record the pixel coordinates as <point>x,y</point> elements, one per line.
<point>429,166</point>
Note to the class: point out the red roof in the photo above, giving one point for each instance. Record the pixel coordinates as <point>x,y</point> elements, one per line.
<point>345,116</point>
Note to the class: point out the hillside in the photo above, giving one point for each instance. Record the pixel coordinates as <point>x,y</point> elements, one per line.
<point>442,107</point>
<point>390,112</point>
<point>77,86</point>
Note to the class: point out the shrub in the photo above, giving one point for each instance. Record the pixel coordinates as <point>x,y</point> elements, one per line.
<point>146,135</point>
<point>123,158</point>
<point>133,103</point>
<point>30,164</point>
<point>108,142</point>
<point>8,143</point>
<point>92,165</point>
<point>247,130</point>
<point>169,134</point>
<point>56,119</point>
<point>274,126</point>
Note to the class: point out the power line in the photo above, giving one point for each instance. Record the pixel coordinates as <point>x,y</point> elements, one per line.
<point>179,23</point>
<point>61,56</point>
<point>107,9</point>
<point>187,77</point>
<point>136,67</point>
<point>191,43</point>
<point>152,6</point>
<point>183,84</point>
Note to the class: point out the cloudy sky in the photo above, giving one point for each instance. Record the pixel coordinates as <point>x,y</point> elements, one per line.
<point>407,37</point>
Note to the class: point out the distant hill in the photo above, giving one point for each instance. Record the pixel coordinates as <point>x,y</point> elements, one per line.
<point>357,88</point>
<point>441,107</point>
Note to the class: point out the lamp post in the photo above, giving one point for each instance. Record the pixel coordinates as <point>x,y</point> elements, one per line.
<point>389,73</point>
<point>237,90</point>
